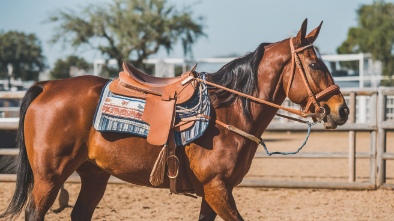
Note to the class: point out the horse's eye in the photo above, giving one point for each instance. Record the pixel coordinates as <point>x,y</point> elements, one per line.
<point>314,66</point>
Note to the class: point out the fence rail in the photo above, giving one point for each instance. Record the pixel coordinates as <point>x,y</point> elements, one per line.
<point>385,124</point>
<point>12,95</point>
<point>377,125</point>
<point>9,123</point>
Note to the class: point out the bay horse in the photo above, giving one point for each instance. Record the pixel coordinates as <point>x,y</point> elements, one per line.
<point>56,136</point>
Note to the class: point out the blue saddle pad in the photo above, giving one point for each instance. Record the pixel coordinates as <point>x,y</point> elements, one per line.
<point>122,114</point>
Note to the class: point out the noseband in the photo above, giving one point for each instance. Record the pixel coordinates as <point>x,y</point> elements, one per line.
<point>320,111</point>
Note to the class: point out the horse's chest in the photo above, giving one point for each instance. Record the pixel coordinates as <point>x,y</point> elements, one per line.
<point>243,163</point>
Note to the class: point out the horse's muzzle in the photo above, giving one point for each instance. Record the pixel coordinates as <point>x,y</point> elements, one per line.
<point>344,112</point>
<point>339,117</point>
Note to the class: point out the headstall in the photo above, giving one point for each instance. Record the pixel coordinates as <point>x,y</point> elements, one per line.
<point>320,112</point>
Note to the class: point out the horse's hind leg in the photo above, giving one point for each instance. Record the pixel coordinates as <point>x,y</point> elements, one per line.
<point>43,195</point>
<point>93,184</point>
<point>45,190</point>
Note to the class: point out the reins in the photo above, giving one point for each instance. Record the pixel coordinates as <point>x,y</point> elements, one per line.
<point>251,137</point>
<point>319,114</point>
<point>291,110</point>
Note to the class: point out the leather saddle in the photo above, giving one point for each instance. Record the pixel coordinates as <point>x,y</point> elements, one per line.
<point>161,95</point>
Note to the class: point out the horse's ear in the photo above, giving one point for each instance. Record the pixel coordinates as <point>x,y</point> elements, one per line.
<point>311,37</point>
<point>299,40</point>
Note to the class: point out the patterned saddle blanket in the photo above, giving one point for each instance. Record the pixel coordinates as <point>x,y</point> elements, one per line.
<point>121,114</point>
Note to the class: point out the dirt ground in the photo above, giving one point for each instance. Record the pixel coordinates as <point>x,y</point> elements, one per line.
<point>130,202</point>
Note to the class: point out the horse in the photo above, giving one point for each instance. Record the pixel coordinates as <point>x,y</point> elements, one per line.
<point>56,136</point>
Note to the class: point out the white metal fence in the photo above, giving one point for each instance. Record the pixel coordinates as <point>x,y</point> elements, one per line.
<point>379,106</point>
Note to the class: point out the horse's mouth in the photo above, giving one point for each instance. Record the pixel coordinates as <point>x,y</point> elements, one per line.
<point>331,122</point>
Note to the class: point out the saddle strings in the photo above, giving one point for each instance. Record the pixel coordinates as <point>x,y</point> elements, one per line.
<point>197,108</point>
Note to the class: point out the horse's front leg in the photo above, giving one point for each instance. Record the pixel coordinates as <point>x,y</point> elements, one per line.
<point>220,199</point>
<point>206,212</point>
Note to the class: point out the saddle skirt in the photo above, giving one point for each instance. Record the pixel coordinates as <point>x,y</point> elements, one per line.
<point>124,114</point>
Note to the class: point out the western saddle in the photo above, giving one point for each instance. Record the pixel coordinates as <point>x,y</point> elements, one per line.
<point>161,96</point>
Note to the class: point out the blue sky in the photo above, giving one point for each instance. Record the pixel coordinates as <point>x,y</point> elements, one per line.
<point>233,27</point>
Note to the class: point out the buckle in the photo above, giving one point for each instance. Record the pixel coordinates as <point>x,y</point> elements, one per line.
<point>320,114</point>
<point>173,166</point>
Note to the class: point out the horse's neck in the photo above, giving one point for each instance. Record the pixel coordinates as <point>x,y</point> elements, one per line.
<point>269,89</point>
<point>263,114</point>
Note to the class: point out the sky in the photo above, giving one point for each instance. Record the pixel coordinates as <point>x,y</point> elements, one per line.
<point>232,27</point>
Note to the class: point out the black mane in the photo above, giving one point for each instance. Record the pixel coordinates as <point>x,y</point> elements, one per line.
<point>240,75</point>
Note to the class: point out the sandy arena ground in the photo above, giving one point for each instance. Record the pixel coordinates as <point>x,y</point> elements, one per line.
<point>130,202</point>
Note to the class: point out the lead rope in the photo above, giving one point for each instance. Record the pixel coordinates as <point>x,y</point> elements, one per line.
<point>310,124</point>
<point>260,140</point>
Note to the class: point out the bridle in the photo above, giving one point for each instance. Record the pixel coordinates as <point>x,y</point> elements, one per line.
<point>320,111</point>
<point>318,115</point>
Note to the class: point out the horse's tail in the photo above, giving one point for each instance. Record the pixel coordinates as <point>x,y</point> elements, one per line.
<point>24,180</point>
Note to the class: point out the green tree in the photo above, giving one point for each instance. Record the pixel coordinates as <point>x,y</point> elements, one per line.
<point>62,68</point>
<point>374,34</point>
<point>23,52</point>
<point>128,30</point>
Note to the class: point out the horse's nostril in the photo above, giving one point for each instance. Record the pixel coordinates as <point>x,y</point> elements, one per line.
<point>343,111</point>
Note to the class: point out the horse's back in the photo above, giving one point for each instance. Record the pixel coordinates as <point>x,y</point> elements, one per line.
<point>71,92</point>
<point>75,87</point>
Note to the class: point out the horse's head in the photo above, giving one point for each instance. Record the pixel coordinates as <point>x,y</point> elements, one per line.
<point>308,82</point>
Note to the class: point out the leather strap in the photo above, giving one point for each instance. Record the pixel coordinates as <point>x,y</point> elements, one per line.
<point>291,110</point>
<point>321,94</point>
<point>172,163</point>
<point>294,61</point>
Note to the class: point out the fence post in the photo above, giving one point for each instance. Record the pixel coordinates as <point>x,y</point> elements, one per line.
<point>352,138</point>
<point>373,119</point>
<point>381,149</point>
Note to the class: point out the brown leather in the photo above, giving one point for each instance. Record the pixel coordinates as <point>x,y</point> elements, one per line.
<point>160,117</point>
<point>172,164</point>
<point>117,87</point>
<point>148,80</point>
<point>131,88</point>
<point>183,125</point>
<point>161,95</point>
<point>167,88</point>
